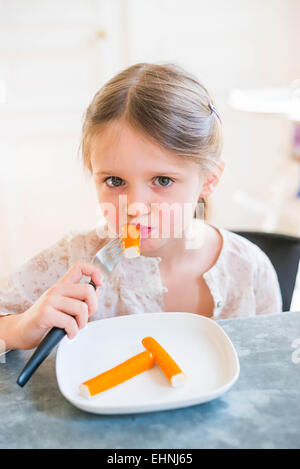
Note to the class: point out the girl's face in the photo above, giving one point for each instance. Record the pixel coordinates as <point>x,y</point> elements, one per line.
<point>139,182</point>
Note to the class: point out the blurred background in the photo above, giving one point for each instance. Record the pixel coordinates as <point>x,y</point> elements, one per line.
<point>54,56</point>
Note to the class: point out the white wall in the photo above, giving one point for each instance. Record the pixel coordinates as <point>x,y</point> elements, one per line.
<point>54,55</point>
<point>232,44</point>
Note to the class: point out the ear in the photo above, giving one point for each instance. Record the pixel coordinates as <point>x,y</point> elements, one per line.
<point>213,179</point>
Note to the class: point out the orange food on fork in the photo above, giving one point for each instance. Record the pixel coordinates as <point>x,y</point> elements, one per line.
<point>126,370</point>
<point>168,366</point>
<point>131,239</point>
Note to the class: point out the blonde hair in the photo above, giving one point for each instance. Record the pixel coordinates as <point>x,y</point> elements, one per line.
<point>167,104</point>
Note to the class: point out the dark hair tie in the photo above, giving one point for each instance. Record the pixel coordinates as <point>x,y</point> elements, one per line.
<point>213,109</point>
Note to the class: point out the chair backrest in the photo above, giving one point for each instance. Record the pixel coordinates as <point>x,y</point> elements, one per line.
<point>284,253</point>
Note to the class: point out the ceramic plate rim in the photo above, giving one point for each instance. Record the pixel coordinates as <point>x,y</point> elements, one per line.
<point>89,406</point>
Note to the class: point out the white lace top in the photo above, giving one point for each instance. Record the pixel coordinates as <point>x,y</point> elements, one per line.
<point>242,282</point>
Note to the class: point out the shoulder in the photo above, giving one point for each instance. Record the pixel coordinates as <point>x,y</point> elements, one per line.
<point>239,250</point>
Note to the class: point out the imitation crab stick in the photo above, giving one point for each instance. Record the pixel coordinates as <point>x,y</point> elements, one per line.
<point>131,238</point>
<point>133,366</point>
<point>166,363</point>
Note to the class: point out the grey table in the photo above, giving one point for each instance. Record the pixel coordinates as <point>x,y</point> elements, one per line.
<point>261,410</point>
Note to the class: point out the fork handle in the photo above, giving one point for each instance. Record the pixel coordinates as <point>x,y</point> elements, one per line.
<point>48,343</point>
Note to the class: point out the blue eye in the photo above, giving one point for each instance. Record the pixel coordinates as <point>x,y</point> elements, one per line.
<point>165,180</point>
<point>113,178</point>
<point>116,181</point>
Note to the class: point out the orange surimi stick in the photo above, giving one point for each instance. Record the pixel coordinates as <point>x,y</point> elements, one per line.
<point>131,240</point>
<point>166,363</point>
<point>133,366</point>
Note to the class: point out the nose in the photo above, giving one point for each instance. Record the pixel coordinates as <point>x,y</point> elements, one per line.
<point>137,205</point>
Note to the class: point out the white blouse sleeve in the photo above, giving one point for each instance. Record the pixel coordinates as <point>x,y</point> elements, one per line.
<point>266,287</point>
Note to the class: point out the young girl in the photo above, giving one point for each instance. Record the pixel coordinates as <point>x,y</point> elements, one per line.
<point>151,140</point>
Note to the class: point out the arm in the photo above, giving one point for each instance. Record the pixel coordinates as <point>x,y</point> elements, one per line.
<point>21,289</point>
<point>24,295</point>
<point>66,305</point>
<point>8,332</point>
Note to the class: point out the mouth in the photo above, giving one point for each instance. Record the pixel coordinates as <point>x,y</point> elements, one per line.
<point>145,230</point>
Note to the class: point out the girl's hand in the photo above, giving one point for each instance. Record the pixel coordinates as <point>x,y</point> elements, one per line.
<point>68,305</point>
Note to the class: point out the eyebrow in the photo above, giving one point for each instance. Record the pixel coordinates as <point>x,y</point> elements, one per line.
<point>105,173</point>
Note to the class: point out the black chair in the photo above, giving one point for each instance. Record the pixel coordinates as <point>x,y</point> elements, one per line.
<point>284,253</point>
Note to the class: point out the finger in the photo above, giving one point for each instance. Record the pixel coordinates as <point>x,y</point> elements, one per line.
<point>80,268</point>
<point>77,309</point>
<point>80,291</point>
<point>64,321</point>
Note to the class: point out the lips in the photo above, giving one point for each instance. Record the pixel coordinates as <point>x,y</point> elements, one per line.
<point>143,228</point>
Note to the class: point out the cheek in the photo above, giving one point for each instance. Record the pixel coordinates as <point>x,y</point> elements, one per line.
<point>171,222</point>
<point>175,222</point>
<point>113,210</point>
<point>107,207</point>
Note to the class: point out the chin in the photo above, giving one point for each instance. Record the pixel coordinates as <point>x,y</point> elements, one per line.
<point>148,244</point>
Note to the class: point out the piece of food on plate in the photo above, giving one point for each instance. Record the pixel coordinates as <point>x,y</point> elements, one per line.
<point>131,241</point>
<point>169,367</point>
<point>126,370</point>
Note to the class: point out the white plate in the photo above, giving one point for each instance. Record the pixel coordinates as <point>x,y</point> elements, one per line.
<point>198,344</point>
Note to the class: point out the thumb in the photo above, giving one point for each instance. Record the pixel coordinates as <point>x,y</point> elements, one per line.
<point>78,270</point>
